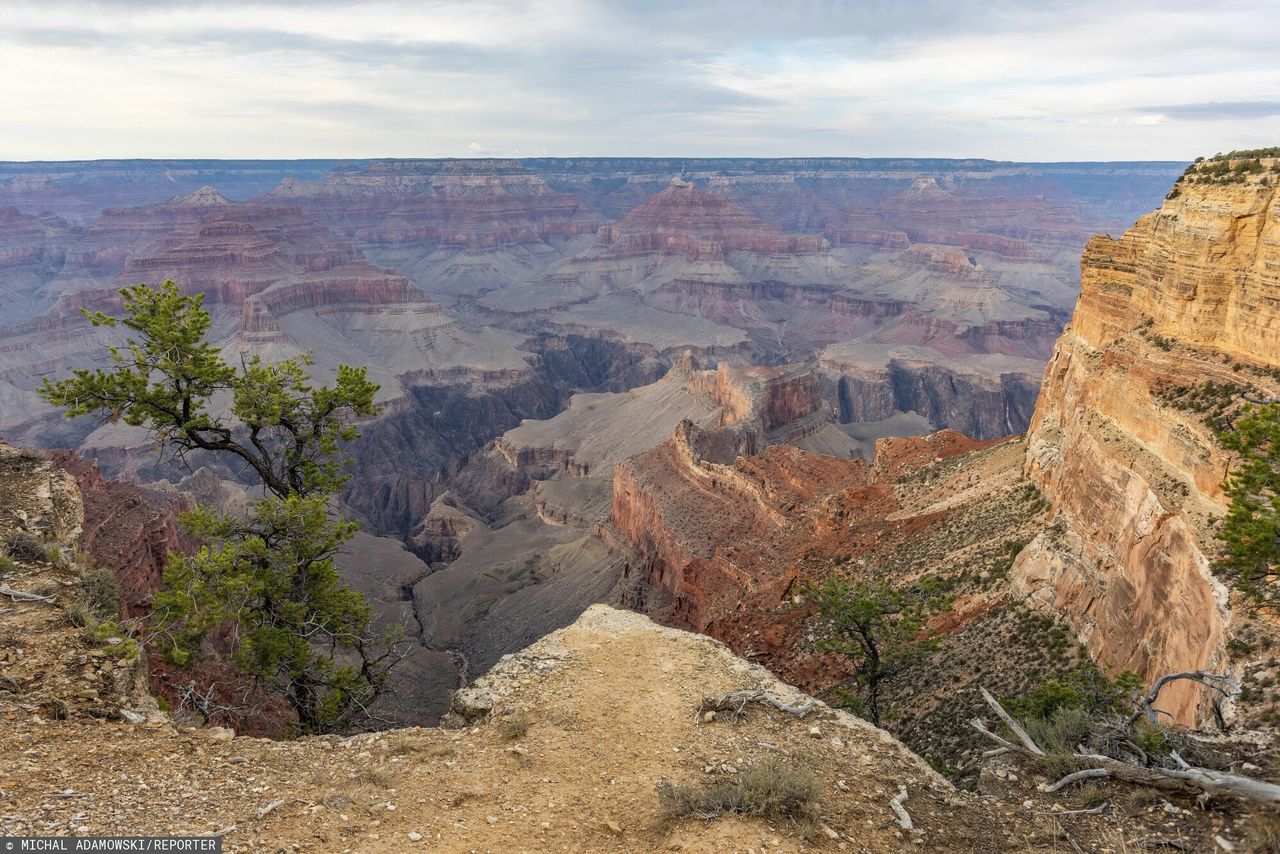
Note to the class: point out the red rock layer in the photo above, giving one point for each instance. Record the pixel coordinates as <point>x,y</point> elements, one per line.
<point>720,548</point>
<point>683,219</point>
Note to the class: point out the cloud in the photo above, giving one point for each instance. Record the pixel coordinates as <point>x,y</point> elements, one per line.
<point>1216,110</point>
<point>1010,79</point>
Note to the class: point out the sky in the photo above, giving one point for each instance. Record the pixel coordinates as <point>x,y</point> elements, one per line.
<point>1004,79</point>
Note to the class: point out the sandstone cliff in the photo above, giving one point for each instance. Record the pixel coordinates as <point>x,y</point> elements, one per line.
<point>1188,296</point>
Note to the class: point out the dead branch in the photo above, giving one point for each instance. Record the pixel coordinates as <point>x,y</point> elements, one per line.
<point>1220,683</point>
<point>1098,810</point>
<point>1190,780</point>
<point>904,819</point>
<point>20,596</point>
<point>1076,777</point>
<point>1011,723</point>
<point>734,705</point>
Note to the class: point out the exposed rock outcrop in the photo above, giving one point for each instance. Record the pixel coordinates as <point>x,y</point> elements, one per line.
<point>1189,295</point>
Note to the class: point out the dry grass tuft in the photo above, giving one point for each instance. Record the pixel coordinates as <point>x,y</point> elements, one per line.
<point>514,727</point>
<point>400,745</point>
<point>379,776</point>
<point>771,788</point>
<point>1263,834</point>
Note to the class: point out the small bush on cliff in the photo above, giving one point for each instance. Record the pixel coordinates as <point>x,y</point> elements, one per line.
<point>98,594</point>
<point>771,788</point>
<point>264,585</point>
<point>1251,529</point>
<point>27,547</point>
<point>881,630</point>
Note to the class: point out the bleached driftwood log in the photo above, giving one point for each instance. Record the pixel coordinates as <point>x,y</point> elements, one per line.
<point>1190,780</point>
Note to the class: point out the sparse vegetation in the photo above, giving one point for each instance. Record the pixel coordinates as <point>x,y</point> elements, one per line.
<point>514,727</point>
<point>1215,402</point>
<point>771,788</point>
<point>1232,167</point>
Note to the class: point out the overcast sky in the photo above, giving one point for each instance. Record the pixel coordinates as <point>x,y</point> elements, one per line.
<point>1025,80</point>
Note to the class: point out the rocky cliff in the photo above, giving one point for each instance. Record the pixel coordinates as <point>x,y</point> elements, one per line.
<point>1121,443</point>
<point>577,742</point>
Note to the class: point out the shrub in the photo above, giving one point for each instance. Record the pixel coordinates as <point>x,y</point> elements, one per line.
<point>514,727</point>
<point>28,547</point>
<point>115,639</point>
<point>99,593</point>
<point>772,789</point>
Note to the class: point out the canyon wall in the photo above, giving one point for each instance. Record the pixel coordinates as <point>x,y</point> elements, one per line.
<point>1188,296</point>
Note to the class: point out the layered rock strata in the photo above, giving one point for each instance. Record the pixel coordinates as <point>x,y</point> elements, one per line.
<point>1188,296</point>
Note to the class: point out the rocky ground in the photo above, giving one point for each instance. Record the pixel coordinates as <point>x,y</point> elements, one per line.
<point>568,743</point>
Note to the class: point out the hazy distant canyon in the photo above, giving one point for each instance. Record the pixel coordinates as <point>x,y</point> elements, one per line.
<point>553,335</point>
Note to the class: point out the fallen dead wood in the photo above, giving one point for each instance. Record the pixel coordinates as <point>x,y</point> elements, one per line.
<point>1190,780</point>
<point>904,818</point>
<point>1076,777</point>
<point>734,705</point>
<point>1146,705</point>
<point>21,596</point>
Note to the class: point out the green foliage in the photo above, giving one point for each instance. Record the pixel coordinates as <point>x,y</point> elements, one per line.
<point>1251,529</point>
<point>771,788</point>
<point>6,564</point>
<point>297,629</point>
<point>880,629</point>
<point>164,379</point>
<point>115,639</point>
<point>1082,688</point>
<point>265,587</point>
<point>1246,154</point>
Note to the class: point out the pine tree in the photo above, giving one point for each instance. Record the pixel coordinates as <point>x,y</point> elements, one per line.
<point>880,629</point>
<point>267,581</point>
<point>1251,529</point>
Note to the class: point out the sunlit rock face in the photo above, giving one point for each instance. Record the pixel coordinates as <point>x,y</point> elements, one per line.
<point>1190,294</point>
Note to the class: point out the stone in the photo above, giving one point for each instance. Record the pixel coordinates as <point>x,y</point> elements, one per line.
<point>1175,301</point>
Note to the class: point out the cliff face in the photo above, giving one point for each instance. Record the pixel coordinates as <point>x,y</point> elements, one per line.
<point>1189,295</point>
<point>129,529</point>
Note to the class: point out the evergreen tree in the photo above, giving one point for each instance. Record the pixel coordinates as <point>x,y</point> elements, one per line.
<point>1251,529</point>
<point>268,580</point>
<point>880,629</point>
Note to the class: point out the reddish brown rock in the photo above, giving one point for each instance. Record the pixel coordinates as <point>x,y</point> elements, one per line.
<point>721,547</point>
<point>685,220</point>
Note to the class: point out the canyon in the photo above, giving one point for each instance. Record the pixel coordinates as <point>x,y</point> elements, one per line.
<point>687,399</point>
<point>575,355</point>
<point>1101,523</point>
